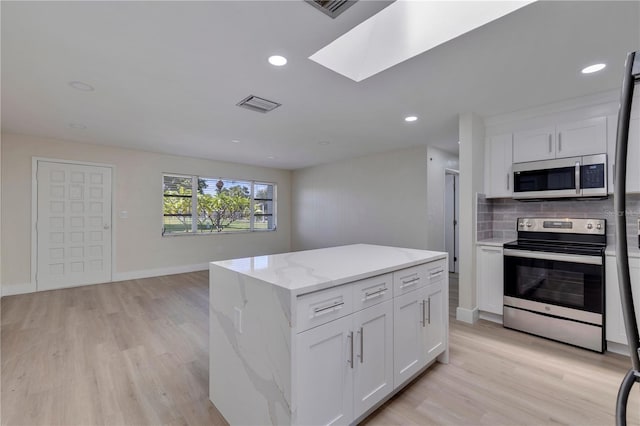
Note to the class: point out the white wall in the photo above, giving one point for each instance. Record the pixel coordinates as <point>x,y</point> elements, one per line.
<point>437,162</point>
<point>472,135</point>
<point>140,248</point>
<point>377,199</point>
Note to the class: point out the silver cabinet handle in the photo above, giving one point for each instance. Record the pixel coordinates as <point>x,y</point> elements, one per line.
<point>559,142</point>
<point>424,321</point>
<point>326,309</point>
<point>429,314</point>
<point>550,143</point>
<point>507,181</point>
<point>577,177</point>
<point>375,294</point>
<point>409,282</point>
<point>361,345</point>
<point>350,360</point>
<point>436,274</point>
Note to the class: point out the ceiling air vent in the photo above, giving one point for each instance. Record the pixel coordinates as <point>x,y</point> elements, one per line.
<point>255,103</point>
<point>333,8</point>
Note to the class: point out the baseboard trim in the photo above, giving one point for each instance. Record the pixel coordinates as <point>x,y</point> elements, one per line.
<point>149,273</point>
<point>14,289</point>
<point>469,316</point>
<point>490,316</point>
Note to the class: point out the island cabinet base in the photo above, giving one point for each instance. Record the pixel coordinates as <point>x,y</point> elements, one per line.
<point>282,353</point>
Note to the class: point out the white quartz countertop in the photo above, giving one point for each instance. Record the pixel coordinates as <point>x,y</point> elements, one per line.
<point>310,270</point>
<point>498,242</point>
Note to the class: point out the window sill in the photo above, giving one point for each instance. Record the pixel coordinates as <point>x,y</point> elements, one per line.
<point>198,234</point>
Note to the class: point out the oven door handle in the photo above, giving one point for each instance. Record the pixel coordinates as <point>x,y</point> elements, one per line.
<point>563,257</point>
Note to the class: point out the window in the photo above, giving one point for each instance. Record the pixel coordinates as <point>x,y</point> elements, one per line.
<point>194,204</point>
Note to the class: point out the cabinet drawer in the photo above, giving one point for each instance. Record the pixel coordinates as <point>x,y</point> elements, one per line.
<point>318,308</point>
<point>409,279</point>
<point>436,271</point>
<point>372,291</point>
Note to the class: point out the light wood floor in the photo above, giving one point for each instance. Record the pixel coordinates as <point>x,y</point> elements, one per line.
<point>136,353</point>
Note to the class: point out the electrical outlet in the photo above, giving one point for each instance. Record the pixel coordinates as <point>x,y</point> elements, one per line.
<point>237,319</point>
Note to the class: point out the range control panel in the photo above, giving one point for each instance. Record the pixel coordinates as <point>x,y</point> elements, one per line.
<point>563,225</point>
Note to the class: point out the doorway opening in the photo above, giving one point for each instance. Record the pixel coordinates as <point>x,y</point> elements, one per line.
<point>452,218</point>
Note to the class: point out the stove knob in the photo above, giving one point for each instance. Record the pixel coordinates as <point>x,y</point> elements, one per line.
<point>589,225</point>
<point>599,226</point>
<point>528,224</point>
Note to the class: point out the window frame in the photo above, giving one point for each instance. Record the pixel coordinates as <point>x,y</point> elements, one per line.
<point>194,205</point>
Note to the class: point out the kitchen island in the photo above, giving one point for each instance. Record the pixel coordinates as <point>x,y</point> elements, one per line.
<point>323,336</point>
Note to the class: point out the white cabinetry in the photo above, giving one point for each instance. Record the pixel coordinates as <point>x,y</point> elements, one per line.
<point>325,378</point>
<point>420,323</point>
<point>536,144</point>
<point>490,278</point>
<point>347,365</point>
<point>309,337</point>
<point>373,361</point>
<point>498,162</point>
<point>615,330</point>
<point>571,139</point>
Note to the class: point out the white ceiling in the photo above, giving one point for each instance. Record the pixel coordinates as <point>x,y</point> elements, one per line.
<point>167,75</point>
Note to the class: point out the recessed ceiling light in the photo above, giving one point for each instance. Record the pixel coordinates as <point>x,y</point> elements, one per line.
<point>77,126</point>
<point>324,143</point>
<point>271,157</point>
<point>235,141</point>
<point>410,118</point>
<point>79,85</point>
<point>593,68</point>
<point>277,60</point>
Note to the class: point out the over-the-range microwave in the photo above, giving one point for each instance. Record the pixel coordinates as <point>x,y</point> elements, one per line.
<point>573,177</point>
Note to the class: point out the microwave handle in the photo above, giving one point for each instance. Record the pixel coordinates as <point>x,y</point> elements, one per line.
<point>578,177</point>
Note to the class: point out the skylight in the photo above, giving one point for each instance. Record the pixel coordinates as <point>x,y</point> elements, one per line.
<point>406,29</point>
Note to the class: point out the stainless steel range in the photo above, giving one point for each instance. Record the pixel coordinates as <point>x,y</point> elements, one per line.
<point>554,280</point>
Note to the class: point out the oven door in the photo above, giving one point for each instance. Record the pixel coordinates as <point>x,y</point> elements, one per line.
<point>563,280</point>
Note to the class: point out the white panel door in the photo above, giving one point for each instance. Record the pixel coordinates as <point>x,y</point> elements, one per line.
<point>373,379</point>
<point>324,366</point>
<point>73,225</point>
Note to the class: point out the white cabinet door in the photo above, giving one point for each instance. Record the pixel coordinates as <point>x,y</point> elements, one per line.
<point>498,166</point>
<point>532,145</point>
<point>615,330</point>
<point>582,137</point>
<point>490,279</point>
<point>373,378</point>
<point>324,369</point>
<point>408,336</point>
<point>434,324</point>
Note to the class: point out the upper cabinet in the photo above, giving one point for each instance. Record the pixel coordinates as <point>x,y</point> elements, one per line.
<point>570,139</point>
<point>498,161</point>
<point>537,144</point>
